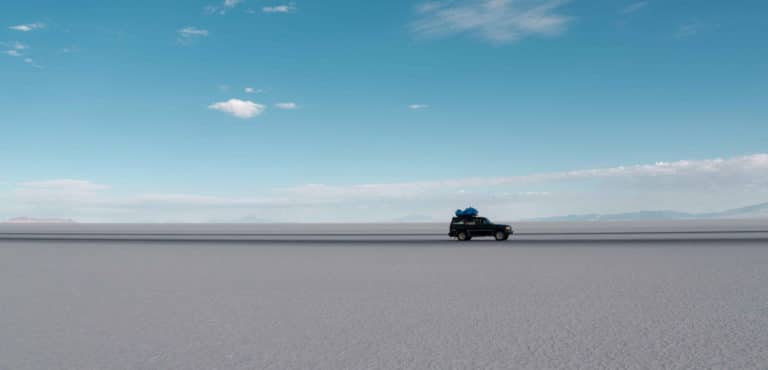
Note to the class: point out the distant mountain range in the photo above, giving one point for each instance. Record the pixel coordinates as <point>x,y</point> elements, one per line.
<point>755,211</point>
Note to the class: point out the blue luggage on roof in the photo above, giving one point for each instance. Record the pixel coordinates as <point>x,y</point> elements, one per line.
<point>466,212</point>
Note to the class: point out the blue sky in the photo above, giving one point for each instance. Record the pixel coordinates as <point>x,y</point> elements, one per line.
<point>138,111</point>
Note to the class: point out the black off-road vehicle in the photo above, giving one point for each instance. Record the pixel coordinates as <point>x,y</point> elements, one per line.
<point>466,227</point>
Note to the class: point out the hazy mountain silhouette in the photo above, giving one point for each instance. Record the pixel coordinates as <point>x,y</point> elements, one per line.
<point>754,211</point>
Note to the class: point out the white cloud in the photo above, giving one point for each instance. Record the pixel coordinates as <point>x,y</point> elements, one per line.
<point>239,108</point>
<point>31,62</point>
<point>223,8</point>
<point>686,185</point>
<point>18,45</point>
<point>499,21</point>
<point>192,32</point>
<point>15,48</point>
<point>429,6</point>
<point>687,30</point>
<point>287,105</point>
<point>28,27</point>
<point>213,9</point>
<point>418,106</point>
<point>251,90</point>
<point>66,185</point>
<point>278,9</point>
<point>59,190</point>
<point>189,35</point>
<point>746,170</point>
<point>631,8</point>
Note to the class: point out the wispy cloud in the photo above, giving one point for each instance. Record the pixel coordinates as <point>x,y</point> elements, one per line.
<point>279,9</point>
<point>188,35</point>
<point>287,105</point>
<point>239,108</point>
<point>687,185</point>
<point>222,8</point>
<point>418,106</point>
<point>192,32</point>
<point>28,27</point>
<point>31,62</point>
<point>15,49</point>
<point>752,169</point>
<point>631,8</point>
<point>251,90</point>
<point>64,185</point>
<point>688,30</point>
<point>16,45</point>
<point>499,21</point>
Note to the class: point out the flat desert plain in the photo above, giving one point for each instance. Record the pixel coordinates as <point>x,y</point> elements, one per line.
<point>624,295</point>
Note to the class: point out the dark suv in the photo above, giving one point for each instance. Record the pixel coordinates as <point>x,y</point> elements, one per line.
<point>467,227</point>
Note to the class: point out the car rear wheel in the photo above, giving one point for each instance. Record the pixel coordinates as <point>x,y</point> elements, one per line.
<point>500,235</point>
<point>462,236</point>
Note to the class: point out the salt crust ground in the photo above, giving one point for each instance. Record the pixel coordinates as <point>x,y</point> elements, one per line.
<point>134,305</point>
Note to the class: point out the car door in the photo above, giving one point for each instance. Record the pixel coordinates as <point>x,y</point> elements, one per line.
<point>484,227</point>
<point>470,225</point>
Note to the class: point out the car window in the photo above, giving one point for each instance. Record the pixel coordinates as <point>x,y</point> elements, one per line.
<point>470,221</point>
<point>458,221</point>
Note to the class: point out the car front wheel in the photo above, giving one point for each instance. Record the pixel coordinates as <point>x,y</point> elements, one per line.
<point>500,235</point>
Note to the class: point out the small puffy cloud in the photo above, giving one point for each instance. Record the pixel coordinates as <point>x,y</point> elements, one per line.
<point>251,90</point>
<point>13,53</point>
<point>232,3</point>
<point>279,9</point>
<point>28,27</point>
<point>239,108</point>
<point>631,8</point>
<point>498,21</point>
<point>287,105</point>
<point>418,106</point>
